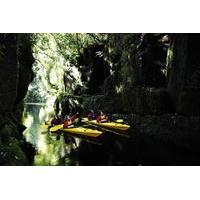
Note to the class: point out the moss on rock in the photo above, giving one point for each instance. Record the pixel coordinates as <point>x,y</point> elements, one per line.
<point>16,61</point>
<point>11,154</point>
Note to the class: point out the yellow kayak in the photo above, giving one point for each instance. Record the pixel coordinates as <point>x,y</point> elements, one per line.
<point>82,131</point>
<point>113,125</point>
<point>56,128</point>
<point>77,130</point>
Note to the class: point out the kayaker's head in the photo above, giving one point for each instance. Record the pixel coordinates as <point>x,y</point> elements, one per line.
<point>67,117</point>
<point>68,114</point>
<point>101,113</point>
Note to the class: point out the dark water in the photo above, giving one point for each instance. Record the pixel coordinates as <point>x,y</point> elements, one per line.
<point>108,149</point>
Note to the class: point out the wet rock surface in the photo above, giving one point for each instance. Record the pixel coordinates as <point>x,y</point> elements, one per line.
<point>16,73</point>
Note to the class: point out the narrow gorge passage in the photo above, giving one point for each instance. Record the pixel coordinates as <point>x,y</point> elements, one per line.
<point>117,99</point>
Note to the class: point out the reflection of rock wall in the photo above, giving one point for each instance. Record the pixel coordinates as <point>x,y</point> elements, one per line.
<point>15,63</point>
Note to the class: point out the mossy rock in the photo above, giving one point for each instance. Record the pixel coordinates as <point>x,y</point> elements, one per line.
<point>28,149</point>
<point>5,133</point>
<point>14,128</point>
<point>189,102</point>
<point>12,155</point>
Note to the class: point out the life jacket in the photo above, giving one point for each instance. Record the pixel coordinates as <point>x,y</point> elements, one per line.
<point>67,123</point>
<point>56,121</point>
<point>101,118</point>
<point>73,118</point>
<point>70,121</point>
<point>91,116</point>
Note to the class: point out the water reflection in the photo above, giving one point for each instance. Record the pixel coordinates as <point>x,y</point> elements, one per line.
<point>59,149</point>
<point>52,149</point>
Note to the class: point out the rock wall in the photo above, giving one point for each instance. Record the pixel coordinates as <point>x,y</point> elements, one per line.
<point>165,101</point>
<point>184,73</point>
<point>139,78</point>
<point>94,69</point>
<point>16,73</point>
<point>137,82</point>
<point>154,73</point>
<point>149,74</point>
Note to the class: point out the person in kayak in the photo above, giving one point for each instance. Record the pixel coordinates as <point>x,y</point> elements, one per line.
<point>56,120</point>
<point>68,121</point>
<point>102,118</point>
<point>92,115</point>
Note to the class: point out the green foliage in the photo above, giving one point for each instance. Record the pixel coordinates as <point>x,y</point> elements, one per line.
<point>70,45</point>
<point>121,52</point>
<point>55,62</point>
